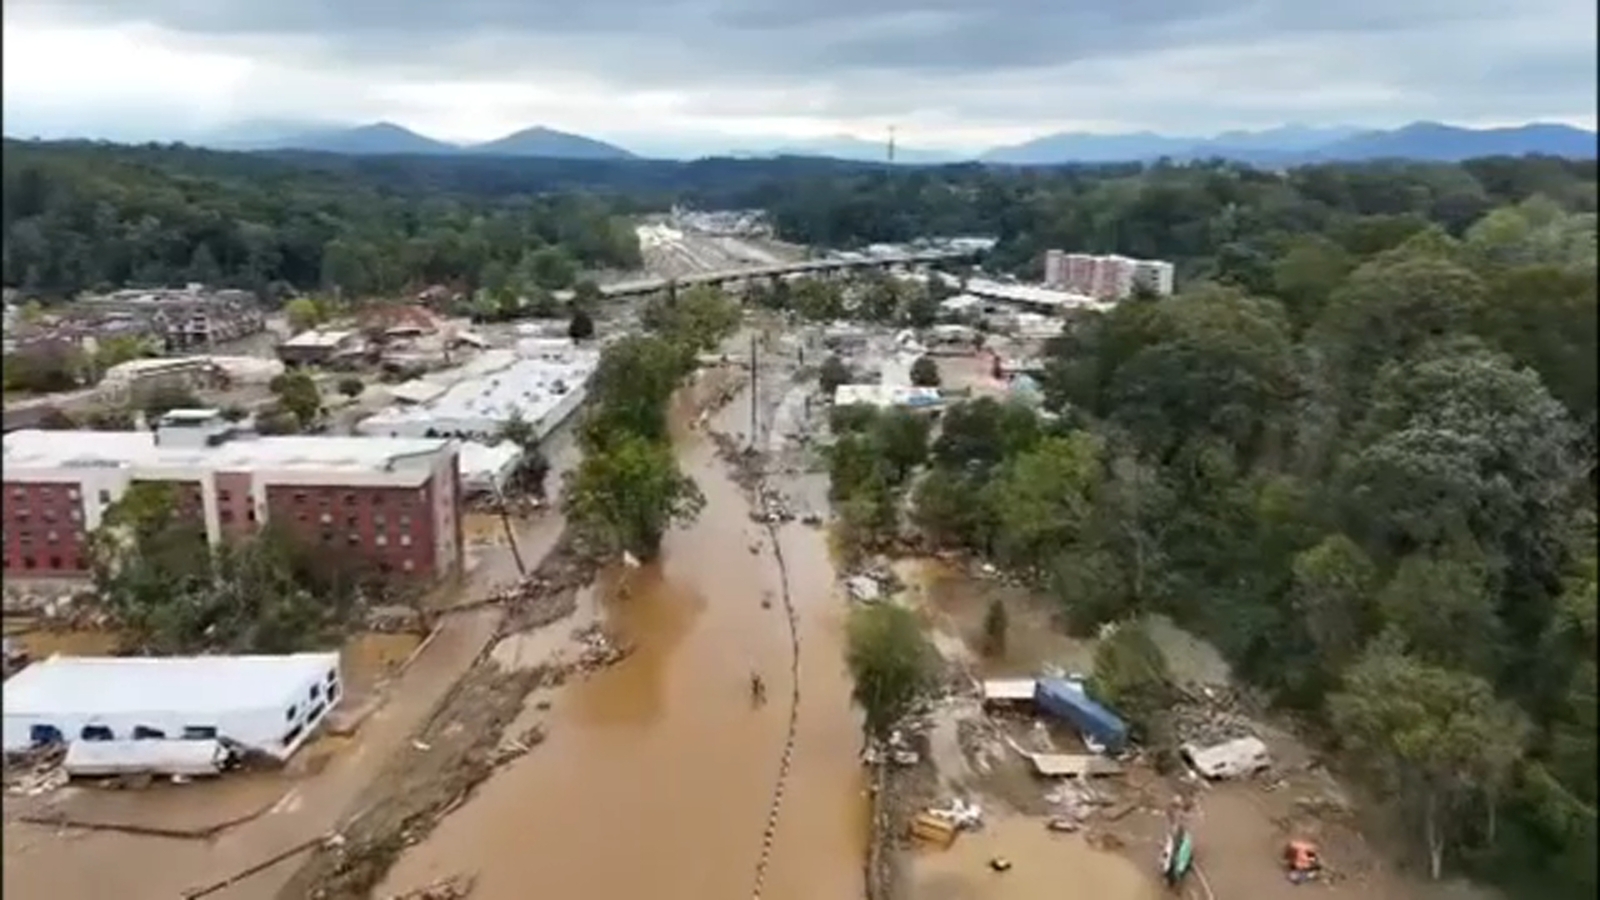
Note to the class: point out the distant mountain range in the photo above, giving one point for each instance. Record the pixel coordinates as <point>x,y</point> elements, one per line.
<point>1282,146</point>
<point>1298,144</point>
<point>388,139</point>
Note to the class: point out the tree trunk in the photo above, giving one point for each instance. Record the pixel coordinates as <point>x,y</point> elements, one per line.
<point>1435,838</point>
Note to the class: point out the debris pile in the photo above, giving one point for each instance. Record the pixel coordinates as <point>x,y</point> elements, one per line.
<point>898,750</point>
<point>34,772</point>
<point>1072,802</point>
<point>455,887</point>
<point>1211,715</point>
<point>513,748</point>
<point>964,815</point>
<point>771,507</point>
<point>549,592</point>
<point>982,742</point>
<point>599,649</point>
<point>873,582</point>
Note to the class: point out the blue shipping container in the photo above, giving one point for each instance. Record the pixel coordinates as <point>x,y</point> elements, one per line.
<point>1065,700</point>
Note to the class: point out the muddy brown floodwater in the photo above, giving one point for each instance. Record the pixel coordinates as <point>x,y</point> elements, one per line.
<point>658,773</point>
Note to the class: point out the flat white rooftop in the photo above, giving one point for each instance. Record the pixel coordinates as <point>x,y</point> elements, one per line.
<point>184,685</point>
<point>886,395</point>
<point>531,387</point>
<point>1038,296</point>
<point>34,449</point>
<point>314,339</point>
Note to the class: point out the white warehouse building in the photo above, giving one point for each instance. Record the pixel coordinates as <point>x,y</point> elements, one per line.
<point>544,382</point>
<point>271,704</point>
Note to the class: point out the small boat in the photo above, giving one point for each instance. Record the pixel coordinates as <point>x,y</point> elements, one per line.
<point>1177,855</point>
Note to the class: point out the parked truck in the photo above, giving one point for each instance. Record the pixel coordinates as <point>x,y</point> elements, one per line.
<point>1069,701</point>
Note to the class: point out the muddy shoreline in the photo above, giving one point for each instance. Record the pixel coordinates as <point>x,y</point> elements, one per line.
<point>462,743</point>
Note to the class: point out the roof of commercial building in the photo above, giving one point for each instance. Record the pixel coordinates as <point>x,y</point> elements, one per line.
<point>313,339</point>
<point>34,449</point>
<point>198,685</point>
<point>530,386</point>
<point>886,395</point>
<point>483,464</point>
<point>1038,296</point>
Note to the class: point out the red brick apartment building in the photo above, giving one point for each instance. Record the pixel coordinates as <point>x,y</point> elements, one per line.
<point>393,501</point>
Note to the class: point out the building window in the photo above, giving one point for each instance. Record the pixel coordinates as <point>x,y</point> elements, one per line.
<point>353,539</point>
<point>75,515</point>
<point>52,536</point>
<point>408,565</point>
<point>379,519</point>
<point>352,521</point>
<point>28,562</point>
<point>327,518</point>
<point>55,562</point>
<point>377,499</point>
<point>44,735</point>
<point>405,522</point>
<point>350,499</point>
<point>381,540</point>
<point>48,515</point>
<point>250,514</point>
<point>327,537</point>
<point>77,564</point>
<point>405,540</point>
<point>226,516</point>
<point>299,496</point>
<point>72,494</point>
<point>105,498</point>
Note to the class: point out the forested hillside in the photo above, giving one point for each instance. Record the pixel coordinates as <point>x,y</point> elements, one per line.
<point>1364,467</point>
<point>78,215</point>
<point>81,216</point>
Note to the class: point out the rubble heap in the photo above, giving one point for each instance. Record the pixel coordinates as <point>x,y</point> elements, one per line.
<point>1211,715</point>
<point>455,887</point>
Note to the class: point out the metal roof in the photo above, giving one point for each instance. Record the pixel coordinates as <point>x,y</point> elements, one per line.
<point>192,685</point>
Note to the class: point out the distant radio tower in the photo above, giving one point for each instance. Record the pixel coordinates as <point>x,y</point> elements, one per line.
<point>891,143</point>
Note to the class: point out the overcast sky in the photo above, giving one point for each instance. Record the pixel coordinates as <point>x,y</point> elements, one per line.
<point>947,74</point>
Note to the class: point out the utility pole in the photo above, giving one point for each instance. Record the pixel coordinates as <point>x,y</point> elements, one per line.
<point>754,399</point>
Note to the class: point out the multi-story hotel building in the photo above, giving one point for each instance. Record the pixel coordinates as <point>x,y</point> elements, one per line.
<point>1106,277</point>
<point>394,502</point>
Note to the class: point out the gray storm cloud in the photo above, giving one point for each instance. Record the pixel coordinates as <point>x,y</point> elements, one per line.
<point>1163,63</point>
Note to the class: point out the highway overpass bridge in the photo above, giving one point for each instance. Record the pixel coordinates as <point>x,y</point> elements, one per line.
<point>755,273</point>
